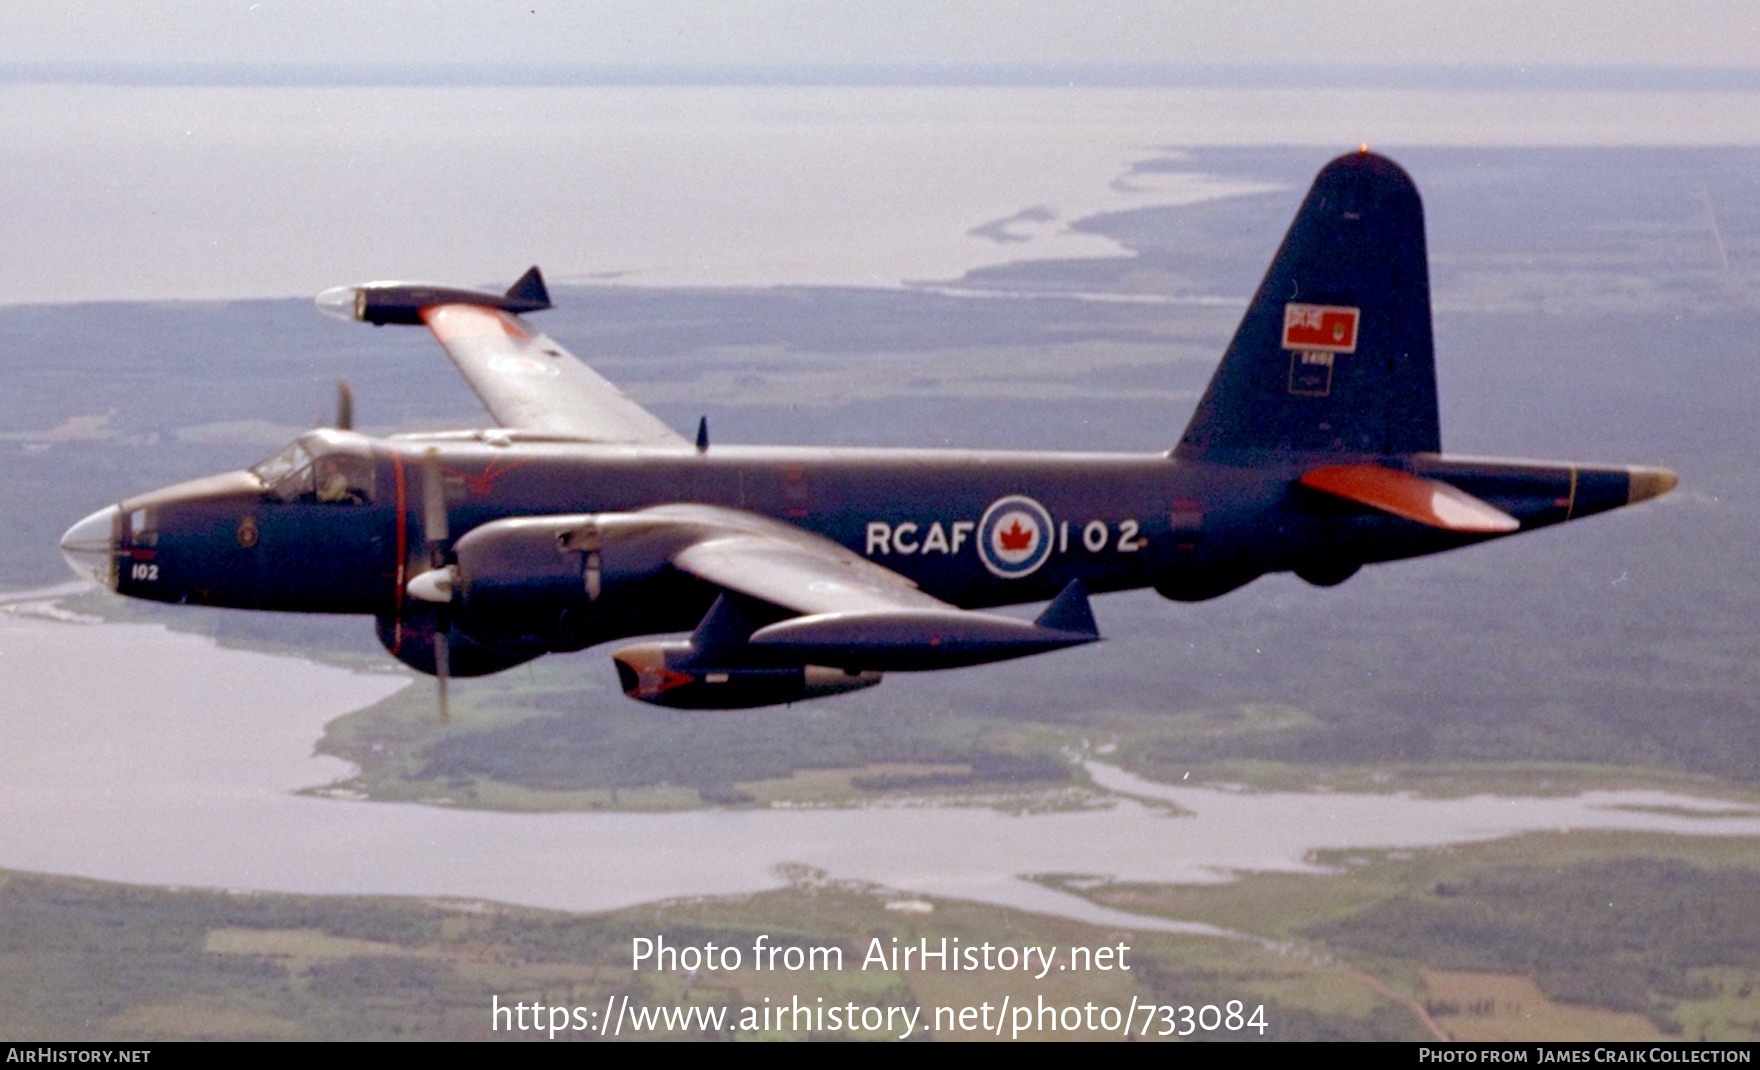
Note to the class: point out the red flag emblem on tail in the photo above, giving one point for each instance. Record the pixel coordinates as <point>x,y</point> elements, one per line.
<point>1320,328</point>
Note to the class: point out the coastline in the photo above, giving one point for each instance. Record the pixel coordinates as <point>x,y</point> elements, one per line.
<point>179,765</point>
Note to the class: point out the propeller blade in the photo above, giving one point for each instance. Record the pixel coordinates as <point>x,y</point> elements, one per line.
<point>433,503</point>
<point>442,670</point>
<point>435,585</point>
<point>344,406</point>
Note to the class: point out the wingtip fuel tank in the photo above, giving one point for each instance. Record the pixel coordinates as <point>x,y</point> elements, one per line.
<point>380,303</point>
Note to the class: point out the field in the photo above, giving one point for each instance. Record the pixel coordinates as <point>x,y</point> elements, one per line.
<point>1430,944</point>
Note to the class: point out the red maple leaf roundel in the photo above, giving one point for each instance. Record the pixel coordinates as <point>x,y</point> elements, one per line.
<point>1014,536</point>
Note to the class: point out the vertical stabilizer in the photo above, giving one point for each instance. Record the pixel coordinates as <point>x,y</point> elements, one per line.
<point>1334,355</point>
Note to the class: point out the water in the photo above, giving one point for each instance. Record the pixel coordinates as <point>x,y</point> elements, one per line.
<point>139,192</point>
<point>135,754</point>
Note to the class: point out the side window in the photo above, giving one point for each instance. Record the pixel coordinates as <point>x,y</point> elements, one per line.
<point>336,477</point>
<point>287,474</point>
<point>341,478</point>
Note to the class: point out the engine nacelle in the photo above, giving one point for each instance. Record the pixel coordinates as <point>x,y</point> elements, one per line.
<point>557,580</point>
<point>679,676</point>
<point>410,639</point>
<point>1200,585</point>
<point>1327,572</point>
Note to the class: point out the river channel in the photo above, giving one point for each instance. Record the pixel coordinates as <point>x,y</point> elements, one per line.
<point>136,754</point>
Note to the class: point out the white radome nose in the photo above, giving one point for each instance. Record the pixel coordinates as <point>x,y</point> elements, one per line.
<point>90,547</point>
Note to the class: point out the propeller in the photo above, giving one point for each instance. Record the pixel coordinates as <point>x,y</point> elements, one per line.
<point>434,527</point>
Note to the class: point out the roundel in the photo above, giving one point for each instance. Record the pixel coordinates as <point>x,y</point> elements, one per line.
<point>1014,537</point>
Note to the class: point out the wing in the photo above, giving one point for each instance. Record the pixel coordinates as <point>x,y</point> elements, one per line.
<point>791,568</point>
<point>852,611</point>
<point>530,383</point>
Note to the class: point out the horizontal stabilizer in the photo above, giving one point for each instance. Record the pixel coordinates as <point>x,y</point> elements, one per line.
<point>1424,501</point>
<point>911,639</point>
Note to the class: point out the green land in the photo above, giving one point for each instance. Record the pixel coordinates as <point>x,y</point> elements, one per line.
<point>1499,941</point>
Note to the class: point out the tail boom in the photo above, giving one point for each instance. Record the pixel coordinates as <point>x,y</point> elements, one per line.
<point>1542,493</point>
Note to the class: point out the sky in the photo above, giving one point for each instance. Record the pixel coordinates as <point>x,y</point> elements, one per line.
<point>1695,33</point>
<point>200,149</point>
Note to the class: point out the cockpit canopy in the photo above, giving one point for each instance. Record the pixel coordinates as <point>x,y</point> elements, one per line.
<point>323,465</point>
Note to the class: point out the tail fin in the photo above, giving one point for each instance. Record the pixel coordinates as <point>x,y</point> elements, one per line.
<point>1334,355</point>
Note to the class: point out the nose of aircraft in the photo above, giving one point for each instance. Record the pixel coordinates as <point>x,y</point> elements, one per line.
<point>90,547</point>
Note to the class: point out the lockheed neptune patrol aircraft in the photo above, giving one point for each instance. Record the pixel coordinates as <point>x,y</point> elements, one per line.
<point>583,519</point>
